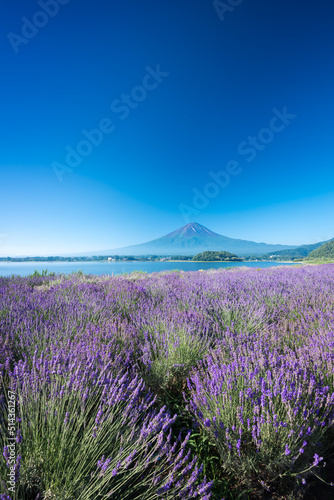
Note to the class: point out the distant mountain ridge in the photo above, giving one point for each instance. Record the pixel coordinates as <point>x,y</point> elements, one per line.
<point>192,239</point>
<point>299,252</point>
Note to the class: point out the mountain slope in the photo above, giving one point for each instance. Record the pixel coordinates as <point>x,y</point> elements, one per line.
<point>326,251</point>
<point>193,239</point>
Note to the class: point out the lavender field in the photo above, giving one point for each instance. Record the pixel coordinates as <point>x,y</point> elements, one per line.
<point>190,385</point>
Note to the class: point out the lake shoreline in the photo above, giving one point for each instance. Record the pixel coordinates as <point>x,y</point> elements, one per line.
<point>278,262</point>
<point>118,268</point>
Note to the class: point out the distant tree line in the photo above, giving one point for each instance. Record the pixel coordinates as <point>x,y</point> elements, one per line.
<point>181,257</point>
<point>54,259</point>
<point>95,258</point>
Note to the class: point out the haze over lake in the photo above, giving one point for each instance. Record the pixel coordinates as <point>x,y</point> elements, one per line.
<point>26,268</point>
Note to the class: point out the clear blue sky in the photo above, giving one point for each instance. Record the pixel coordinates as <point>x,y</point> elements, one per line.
<point>180,88</point>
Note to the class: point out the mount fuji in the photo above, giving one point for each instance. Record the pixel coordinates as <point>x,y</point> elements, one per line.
<point>194,238</point>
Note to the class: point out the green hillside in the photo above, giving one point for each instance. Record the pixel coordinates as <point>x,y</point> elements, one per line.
<point>298,252</point>
<point>216,256</point>
<point>326,251</point>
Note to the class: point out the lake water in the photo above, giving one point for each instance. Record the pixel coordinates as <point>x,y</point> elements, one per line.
<point>112,268</point>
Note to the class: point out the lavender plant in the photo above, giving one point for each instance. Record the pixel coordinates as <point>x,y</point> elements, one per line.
<point>267,413</point>
<point>86,432</point>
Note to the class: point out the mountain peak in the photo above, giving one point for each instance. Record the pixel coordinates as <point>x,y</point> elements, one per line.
<point>191,230</point>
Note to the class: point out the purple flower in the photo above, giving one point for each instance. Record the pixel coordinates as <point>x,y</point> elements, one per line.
<point>100,462</point>
<point>116,469</point>
<point>18,436</point>
<point>105,465</point>
<point>316,460</point>
<point>6,455</point>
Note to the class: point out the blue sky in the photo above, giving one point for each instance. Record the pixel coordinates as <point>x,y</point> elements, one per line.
<point>176,93</point>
